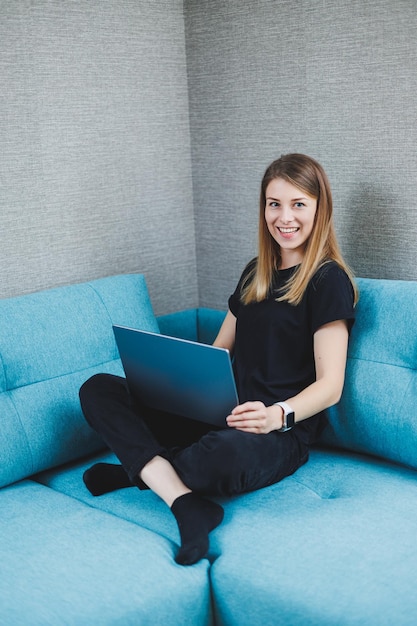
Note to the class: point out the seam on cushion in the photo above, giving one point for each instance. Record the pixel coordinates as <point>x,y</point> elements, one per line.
<point>107,311</point>
<point>116,356</point>
<point>406,367</point>
<point>91,505</point>
<point>331,494</point>
<point>23,431</point>
<point>4,371</point>
<point>83,369</point>
<point>101,300</point>
<point>406,395</point>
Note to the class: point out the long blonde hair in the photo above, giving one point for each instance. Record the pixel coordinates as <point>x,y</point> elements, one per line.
<point>308,175</point>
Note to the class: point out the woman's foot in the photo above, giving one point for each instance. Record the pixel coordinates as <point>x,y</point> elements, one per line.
<point>196,518</point>
<point>102,478</point>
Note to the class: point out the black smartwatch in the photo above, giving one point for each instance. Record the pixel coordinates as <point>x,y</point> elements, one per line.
<point>289,417</point>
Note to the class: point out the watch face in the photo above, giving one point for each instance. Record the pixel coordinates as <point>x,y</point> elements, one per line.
<point>290,419</point>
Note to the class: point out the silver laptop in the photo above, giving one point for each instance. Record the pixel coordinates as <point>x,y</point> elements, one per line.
<point>176,375</point>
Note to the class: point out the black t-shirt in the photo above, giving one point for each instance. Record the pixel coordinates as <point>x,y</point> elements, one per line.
<point>273,354</point>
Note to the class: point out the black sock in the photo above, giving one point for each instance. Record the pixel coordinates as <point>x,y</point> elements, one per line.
<point>196,517</point>
<point>104,477</point>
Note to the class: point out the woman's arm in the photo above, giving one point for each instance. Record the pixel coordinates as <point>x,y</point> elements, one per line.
<point>330,354</point>
<point>227,332</point>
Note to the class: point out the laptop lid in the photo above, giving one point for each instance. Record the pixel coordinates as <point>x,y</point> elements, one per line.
<point>176,375</point>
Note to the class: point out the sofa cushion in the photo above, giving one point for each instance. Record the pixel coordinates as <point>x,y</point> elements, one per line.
<point>378,412</point>
<point>50,342</point>
<point>64,563</point>
<point>140,507</point>
<point>144,508</point>
<point>333,544</point>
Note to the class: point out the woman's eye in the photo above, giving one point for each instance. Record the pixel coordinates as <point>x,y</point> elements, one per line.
<point>299,205</point>
<point>273,204</point>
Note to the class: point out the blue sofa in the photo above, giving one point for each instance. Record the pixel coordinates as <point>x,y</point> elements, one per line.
<point>334,544</point>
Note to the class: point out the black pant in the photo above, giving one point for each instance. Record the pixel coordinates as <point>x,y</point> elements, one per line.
<point>208,460</point>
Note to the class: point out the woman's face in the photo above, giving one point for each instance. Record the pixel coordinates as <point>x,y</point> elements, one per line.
<point>289,216</point>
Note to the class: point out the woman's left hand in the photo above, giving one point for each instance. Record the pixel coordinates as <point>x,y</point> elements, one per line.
<point>255,417</point>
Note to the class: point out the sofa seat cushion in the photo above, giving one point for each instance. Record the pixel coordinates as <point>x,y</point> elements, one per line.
<point>64,563</point>
<point>143,508</point>
<point>333,544</point>
<point>139,507</point>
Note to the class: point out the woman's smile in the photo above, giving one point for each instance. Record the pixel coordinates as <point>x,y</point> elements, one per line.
<point>287,232</point>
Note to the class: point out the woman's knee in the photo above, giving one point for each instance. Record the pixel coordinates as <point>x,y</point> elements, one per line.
<point>91,387</point>
<point>96,392</point>
<point>98,385</point>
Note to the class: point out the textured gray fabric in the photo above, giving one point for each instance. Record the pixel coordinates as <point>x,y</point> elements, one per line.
<point>334,79</point>
<point>95,167</point>
<point>96,104</point>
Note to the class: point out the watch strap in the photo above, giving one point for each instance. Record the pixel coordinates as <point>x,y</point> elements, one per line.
<point>289,417</point>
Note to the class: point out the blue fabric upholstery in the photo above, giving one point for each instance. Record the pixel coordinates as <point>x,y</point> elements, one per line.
<point>332,544</point>
<point>378,411</point>
<point>342,528</point>
<point>50,342</point>
<point>209,322</point>
<point>140,507</point>
<point>194,324</point>
<point>181,324</point>
<point>63,563</point>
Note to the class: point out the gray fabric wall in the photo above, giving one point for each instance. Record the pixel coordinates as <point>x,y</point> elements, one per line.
<point>95,174</point>
<point>99,102</point>
<point>334,79</point>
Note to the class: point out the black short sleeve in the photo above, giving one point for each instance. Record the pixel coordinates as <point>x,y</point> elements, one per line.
<point>330,297</point>
<point>234,300</point>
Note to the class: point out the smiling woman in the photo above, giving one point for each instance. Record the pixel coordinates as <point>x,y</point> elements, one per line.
<point>307,187</point>
<point>287,326</point>
<point>289,216</point>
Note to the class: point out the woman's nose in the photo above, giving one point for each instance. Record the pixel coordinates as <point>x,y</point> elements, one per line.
<point>286,215</point>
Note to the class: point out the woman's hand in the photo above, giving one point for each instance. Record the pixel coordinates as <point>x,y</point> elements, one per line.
<point>255,417</point>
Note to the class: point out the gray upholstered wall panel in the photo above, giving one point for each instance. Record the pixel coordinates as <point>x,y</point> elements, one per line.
<point>95,167</point>
<point>334,79</point>
<point>95,170</point>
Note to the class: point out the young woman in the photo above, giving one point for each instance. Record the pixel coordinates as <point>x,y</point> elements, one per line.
<point>287,327</point>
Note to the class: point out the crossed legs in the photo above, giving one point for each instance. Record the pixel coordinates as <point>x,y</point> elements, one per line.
<point>180,460</point>
<point>108,408</point>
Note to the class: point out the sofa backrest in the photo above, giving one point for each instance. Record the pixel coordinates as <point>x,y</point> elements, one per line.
<point>200,324</point>
<point>50,343</point>
<point>378,410</point>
